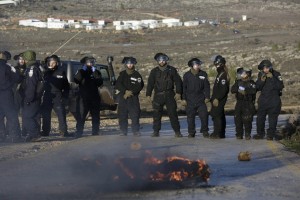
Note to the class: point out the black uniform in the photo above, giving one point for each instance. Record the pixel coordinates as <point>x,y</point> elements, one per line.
<point>55,97</point>
<point>89,79</point>
<point>17,96</point>
<point>244,107</point>
<point>269,103</point>
<point>196,89</point>
<point>31,91</point>
<point>8,77</point>
<point>163,84</point>
<point>220,92</point>
<point>131,105</point>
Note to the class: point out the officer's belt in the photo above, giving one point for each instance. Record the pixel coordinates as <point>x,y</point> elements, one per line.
<point>164,92</point>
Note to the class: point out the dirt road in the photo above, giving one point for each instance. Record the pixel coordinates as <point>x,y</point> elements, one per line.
<point>59,172</point>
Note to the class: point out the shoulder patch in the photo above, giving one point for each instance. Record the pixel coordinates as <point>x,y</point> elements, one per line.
<point>30,73</point>
<point>139,80</point>
<point>280,78</point>
<point>223,81</point>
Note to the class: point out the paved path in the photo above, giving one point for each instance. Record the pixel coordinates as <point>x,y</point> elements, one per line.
<point>59,173</point>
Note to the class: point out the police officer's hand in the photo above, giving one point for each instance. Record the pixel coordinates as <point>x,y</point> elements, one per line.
<point>184,103</point>
<point>215,102</point>
<point>208,104</point>
<point>13,69</point>
<point>242,92</point>
<point>149,99</point>
<point>177,97</point>
<point>127,94</point>
<point>263,77</point>
<point>269,75</point>
<point>206,101</point>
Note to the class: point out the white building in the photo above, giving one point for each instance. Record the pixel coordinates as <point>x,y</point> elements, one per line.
<point>28,22</point>
<point>101,22</point>
<point>191,23</point>
<point>132,22</point>
<point>149,21</point>
<point>85,21</point>
<point>56,25</point>
<point>90,27</point>
<point>77,25</point>
<point>171,20</point>
<point>71,21</point>
<point>39,24</point>
<point>122,27</point>
<point>117,23</point>
<point>173,24</point>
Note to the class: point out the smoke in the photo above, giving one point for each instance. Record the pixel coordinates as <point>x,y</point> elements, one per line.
<point>139,171</point>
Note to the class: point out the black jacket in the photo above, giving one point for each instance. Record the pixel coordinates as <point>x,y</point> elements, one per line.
<point>271,87</point>
<point>56,82</point>
<point>196,88</point>
<point>8,76</point>
<point>88,81</point>
<point>221,86</point>
<point>164,81</point>
<point>133,82</point>
<point>30,85</point>
<point>249,88</point>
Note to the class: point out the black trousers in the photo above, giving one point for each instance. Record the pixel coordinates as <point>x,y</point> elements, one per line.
<point>8,111</point>
<point>243,117</point>
<point>165,99</point>
<point>219,119</point>
<point>55,102</point>
<point>91,105</point>
<point>31,118</point>
<point>272,109</point>
<point>191,111</point>
<point>129,107</point>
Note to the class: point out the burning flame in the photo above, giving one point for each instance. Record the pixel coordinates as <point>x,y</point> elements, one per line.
<point>174,168</point>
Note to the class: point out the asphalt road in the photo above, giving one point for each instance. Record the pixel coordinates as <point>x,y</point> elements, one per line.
<point>73,170</point>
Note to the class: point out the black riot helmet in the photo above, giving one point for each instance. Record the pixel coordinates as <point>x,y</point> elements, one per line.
<point>161,57</point>
<point>265,63</point>
<point>194,61</point>
<point>129,60</point>
<point>86,59</point>
<point>219,60</point>
<point>7,54</point>
<point>53,57</point>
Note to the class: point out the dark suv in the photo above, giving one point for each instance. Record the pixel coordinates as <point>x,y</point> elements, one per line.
<point>106,91</point>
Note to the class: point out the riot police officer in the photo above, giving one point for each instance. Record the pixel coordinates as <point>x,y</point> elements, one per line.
<point>162,80</point>
<point>55,96</point>
<point>20,67</point>
<point>245,91</point>
<point>219,97</point>
<point>270,83</point>
<point>129,84</point>
<point>31,91</point>
<point>196,93</point>
<point>89,79</point>
<point>8,77</point>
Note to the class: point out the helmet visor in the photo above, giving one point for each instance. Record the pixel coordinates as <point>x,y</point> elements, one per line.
<point>90,61</point>
<point>162,58</point>
<point>130,61</point>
